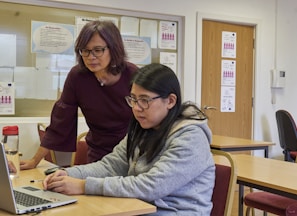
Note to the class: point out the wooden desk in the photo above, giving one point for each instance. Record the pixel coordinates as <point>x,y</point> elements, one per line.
<point>226,143</point>
<point>86,205</point>
<point>265,174</point>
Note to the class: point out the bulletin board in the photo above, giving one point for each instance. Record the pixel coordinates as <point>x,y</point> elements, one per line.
<point>39,76</point>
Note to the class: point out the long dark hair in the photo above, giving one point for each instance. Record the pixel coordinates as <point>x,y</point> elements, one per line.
<point>108,31</point>
<point>162,80</point>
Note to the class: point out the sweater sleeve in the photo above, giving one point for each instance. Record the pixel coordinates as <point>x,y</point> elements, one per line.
<point>61,133</point>
<point>113,164</point>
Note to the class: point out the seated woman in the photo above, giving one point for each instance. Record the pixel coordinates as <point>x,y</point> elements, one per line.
<point>165,158</point>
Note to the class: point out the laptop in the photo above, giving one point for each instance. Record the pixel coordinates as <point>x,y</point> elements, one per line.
<point>10,195</point>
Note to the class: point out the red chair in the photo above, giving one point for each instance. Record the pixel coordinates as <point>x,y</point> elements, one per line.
<point>224,188</point>
<point>63,159</point>
<point>271,203</point>
<point>41,131</point>
<point>292,210</point>
<point>80,156</point>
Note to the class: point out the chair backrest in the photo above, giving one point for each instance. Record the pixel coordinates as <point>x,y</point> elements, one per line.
<point>41,131</point>
<point>225,182</point>
<point>57,157</point>
<point>286,130</point>
<point>80,156</point>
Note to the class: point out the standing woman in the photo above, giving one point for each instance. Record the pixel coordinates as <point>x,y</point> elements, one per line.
<point>165,159</point>
<point>97,85</point>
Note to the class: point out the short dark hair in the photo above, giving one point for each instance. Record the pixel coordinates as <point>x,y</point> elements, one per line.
<point>108,31</point>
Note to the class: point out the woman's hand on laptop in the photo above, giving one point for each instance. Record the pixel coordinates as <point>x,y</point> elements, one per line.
<point>60,182</point>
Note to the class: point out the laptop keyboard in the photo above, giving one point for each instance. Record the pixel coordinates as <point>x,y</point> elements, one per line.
<point>28,200</point>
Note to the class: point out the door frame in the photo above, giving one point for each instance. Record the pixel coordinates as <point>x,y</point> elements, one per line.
<point>256,23</point>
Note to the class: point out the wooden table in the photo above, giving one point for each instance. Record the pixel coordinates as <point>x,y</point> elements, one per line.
<point>86,205</point>
<point>265,174</point>
<point>226,143</point>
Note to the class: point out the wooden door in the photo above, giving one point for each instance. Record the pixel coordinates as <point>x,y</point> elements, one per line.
<point>239,122</point>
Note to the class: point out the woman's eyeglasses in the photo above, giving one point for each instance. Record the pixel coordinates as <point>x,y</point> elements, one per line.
<point>143,103</point>
<point>97,51</point>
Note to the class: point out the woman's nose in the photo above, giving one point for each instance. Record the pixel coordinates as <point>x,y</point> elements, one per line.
<point>137,107</point>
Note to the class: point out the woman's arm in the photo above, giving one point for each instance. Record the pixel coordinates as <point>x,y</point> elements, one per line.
<point>113,164</point>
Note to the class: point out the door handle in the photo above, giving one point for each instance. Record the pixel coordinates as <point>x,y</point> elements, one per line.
<point>209,107</point>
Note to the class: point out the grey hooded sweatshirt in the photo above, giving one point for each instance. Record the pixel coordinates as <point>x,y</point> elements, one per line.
<point>179,181</point>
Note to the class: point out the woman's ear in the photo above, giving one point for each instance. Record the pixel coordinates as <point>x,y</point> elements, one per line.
<point>171,100</point>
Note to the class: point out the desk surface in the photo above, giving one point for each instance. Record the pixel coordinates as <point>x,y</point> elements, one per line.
<point>271,173</point>
<point>86,205</point>
<point>232,142</point>
<point>265,172</point>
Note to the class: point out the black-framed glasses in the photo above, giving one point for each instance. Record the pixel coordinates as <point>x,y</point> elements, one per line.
<point>96,51</point>
<point>143,103</point>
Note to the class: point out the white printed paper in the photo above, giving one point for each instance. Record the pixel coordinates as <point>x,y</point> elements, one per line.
<point>80,22</point>
<point>228,44</point>
<point>138,49</point>
<point>129,26</point>
<point>228,73</point>
<point>52,38</point>
<point>227,99</point>
<point>167,35</point>
<point>7,103</point>
<point>168,59</point>
<point>7,50</point>
<point>149,28</point>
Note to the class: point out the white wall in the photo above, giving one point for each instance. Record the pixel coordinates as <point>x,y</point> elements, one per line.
<point>276,31</point>
<point>286,58</point>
